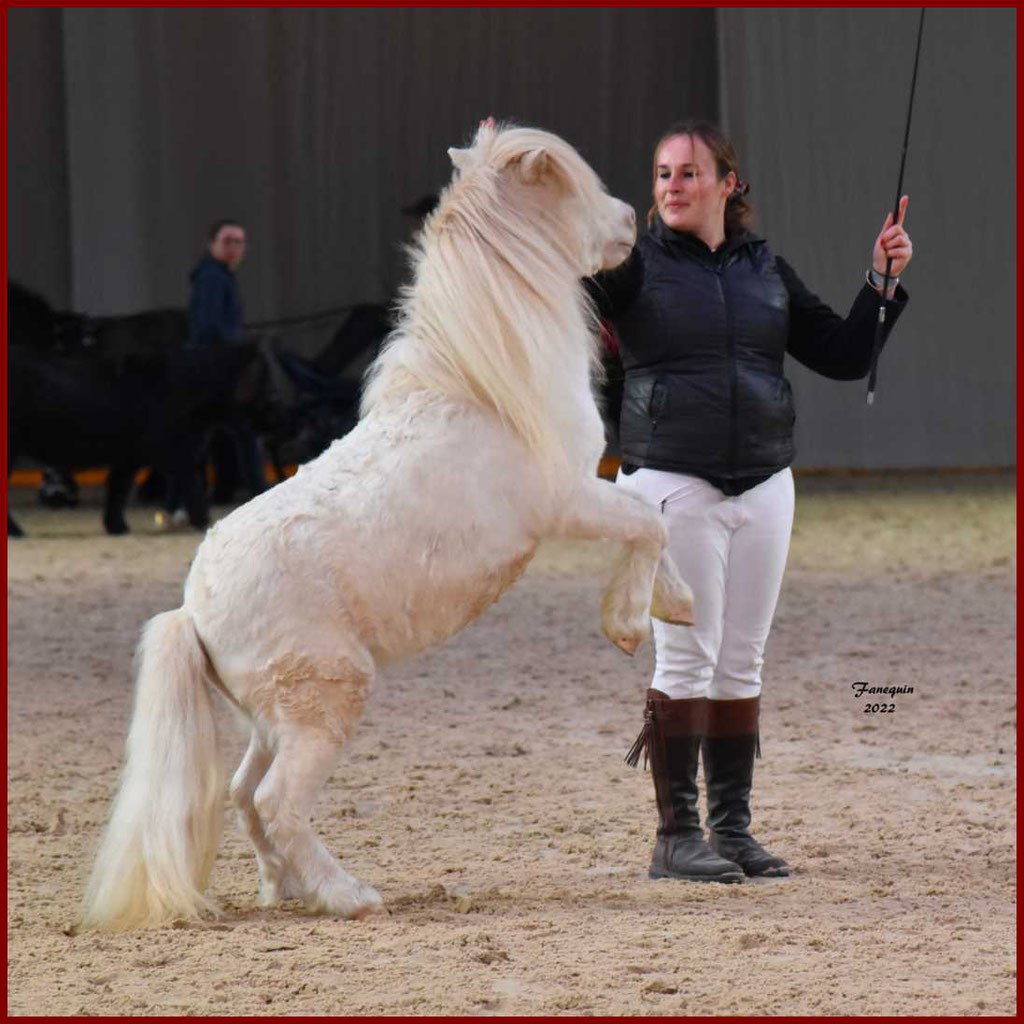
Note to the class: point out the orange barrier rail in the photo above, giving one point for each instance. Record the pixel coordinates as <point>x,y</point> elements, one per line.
<point>93,477</point>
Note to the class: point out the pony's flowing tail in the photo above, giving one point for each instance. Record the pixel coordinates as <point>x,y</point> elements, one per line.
<point>161,841</point>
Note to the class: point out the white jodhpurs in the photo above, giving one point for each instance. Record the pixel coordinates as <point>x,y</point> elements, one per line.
<point>732,552</point>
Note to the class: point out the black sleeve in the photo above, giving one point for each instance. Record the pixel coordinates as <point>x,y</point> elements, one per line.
<point>613,290</point>
<point>826,342</point>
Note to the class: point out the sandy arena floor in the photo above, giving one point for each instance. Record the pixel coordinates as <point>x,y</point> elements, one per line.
<point>485,795</point>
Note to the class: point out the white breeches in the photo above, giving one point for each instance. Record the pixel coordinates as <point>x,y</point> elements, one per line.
<point>732,552</point>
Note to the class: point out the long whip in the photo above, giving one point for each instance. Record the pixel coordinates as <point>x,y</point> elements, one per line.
<point>880,325</point>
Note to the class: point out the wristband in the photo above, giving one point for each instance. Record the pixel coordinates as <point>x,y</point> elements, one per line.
<point>876,280</point>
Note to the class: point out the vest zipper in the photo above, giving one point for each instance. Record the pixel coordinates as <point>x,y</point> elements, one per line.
<point>730,348</point>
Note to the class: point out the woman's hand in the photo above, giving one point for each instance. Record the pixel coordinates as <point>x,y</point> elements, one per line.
<point>893,243</point>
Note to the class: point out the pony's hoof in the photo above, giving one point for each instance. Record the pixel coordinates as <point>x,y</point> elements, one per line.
<point>369,904</point>
<point>680,615</point>
<point>677,620</point>
<point>343,899</point>
<point>628,645</point>
<point>373,910</point>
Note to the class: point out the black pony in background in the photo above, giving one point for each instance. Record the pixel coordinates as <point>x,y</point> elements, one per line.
<point>32,323</point>
<point>123,399</point>
<point>124,393</point>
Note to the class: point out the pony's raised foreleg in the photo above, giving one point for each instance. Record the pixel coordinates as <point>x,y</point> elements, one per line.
<point>672,599</point>
<point>646,581</point>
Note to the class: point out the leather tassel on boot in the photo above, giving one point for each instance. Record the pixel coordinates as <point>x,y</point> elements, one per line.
<point>642,743</point>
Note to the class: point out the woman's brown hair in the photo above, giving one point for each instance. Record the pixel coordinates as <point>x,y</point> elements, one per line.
<point>739,214</point>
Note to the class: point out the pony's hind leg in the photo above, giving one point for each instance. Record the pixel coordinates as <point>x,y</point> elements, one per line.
<point>275,881</point>
<point>305,757</point>
<point>307,704</point>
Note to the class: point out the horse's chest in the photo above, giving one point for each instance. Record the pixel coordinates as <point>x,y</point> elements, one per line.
<point>582,430</point>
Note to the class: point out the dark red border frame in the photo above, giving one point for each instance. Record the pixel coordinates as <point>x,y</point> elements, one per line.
<point>5,5</point>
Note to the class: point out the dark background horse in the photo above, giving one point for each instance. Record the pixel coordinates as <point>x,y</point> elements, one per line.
<point>149,409</point>
<point>124,392</point>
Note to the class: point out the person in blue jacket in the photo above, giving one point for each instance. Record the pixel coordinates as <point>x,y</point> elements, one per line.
<point>705,313</point>
<point>215,317</point>
<point>215,306</point>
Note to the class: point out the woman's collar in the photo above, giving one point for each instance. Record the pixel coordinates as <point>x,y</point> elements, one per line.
<point>661,231</point>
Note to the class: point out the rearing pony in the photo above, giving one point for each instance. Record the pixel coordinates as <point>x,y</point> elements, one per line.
<point>479,436</point>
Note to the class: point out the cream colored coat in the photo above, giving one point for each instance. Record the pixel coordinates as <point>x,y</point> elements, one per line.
<point>479,437</point>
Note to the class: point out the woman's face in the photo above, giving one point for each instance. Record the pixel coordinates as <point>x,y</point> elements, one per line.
<point>687,190</point>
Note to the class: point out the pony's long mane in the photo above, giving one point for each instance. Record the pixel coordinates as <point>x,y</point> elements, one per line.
<point>495,310</point>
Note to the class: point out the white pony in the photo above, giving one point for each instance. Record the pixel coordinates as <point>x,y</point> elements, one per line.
<point>479,437</point>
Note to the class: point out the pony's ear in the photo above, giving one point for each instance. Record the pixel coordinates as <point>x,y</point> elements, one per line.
<point>460,157</point>
<point>535,166</point>
<point>485,130</point>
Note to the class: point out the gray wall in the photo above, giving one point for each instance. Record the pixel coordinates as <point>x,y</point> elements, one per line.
<point>316,126</point>
<point>816,103</point>
<point>39,241</point>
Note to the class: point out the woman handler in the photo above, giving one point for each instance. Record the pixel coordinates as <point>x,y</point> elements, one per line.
<point>705,313</point>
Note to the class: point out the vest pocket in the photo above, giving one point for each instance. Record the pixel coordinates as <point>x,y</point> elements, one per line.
<point>784,395</point>
<point>656,404</point>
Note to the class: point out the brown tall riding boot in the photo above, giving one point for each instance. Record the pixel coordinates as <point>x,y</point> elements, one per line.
<point>671,737</point>
<point>730,743</point>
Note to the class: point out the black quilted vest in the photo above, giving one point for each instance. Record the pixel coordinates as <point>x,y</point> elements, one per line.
<point>702,347</point>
